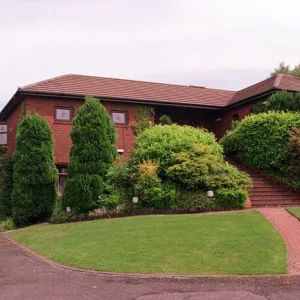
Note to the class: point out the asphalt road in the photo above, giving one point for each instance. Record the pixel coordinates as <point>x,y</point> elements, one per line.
<point>23,276</point>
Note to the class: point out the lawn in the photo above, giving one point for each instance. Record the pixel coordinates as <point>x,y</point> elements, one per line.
<point>295,211</point>
<point>233,243</point>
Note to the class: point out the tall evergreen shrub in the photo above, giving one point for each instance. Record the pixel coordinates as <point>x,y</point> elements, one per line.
<point>35,174</point>
<point>93,152</point>
<point>6,185</point>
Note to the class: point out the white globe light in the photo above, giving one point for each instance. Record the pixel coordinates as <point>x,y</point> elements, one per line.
<point>135,200</point>
<point>210,194</point>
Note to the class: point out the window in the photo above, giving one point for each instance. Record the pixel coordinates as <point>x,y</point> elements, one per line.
<point>3,134</point>
<point>119,116</point>
<point>62,178</point>
<point>63,113</point>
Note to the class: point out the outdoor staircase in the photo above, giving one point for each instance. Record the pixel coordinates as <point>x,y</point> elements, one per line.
<point>265,190</point>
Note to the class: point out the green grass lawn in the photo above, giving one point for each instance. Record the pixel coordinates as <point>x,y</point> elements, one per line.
<point>233,243</point>
<point>295,211</point>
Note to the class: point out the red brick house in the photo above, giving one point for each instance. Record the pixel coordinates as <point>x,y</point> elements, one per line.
<point>58,98</point>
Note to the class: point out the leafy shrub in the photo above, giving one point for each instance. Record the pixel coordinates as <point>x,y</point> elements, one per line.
<point>143,121</point>
<point>262,140</point>
<point>59,215</point>
<point>199,168</point>
<point>93,152</point>
<point>35,175</point>
<point>294,147</point>
<point>150,193</point>
<point>194,200</point>
<point>7,224</point>
<point>281,101</point>
<point>81,193</point>
<point>6,185</point>
<point>230,198</point>
<point>121,175</point>
<point>165,120</point>
<point>148,169</point>
<point>160,142</point>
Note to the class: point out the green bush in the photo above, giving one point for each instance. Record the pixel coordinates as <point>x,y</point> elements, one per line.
<point>293,170</point>
<point>165,120</point>
<point>194,200</point>
<point>198,168</point>
<point>149,191</point>
<point>59,215</point>
<point>262,140</point>
<point>93,152</point>
<point>143,121</point>
<point>160,142</point>
<point>81,193</point>
<point>281,102</point>
<point>230,198</point>
<point>6,185</point>
<point>35,175</point>
<point>7,224</point>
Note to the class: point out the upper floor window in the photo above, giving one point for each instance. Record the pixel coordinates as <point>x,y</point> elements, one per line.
<point>3,134</point>
<point>63,113</point>
<point>119,116</point>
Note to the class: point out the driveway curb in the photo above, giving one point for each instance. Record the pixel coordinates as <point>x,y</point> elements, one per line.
<point>128,275</point>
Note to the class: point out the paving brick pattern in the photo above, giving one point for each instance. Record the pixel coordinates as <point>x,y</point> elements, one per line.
<point>289,228</point>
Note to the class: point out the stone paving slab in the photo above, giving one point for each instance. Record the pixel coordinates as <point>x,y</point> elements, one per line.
<point>289,228</point>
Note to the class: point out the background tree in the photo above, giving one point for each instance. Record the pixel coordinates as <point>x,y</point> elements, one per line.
<point>93,152</point>
<point>284,68</point>
<point>165,120</point>
<point>35,174</point>
<point>281,101</point>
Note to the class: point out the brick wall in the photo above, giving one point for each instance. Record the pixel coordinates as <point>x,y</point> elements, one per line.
<point>12,123</point>
<point>61,130</point>
<point>227,117</point>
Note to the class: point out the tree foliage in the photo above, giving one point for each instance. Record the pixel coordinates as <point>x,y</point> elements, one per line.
<point>93,152</point>
<point>284,68</point>
<point>281,101</point>
<point>35,174</point>
<point>165,120</point>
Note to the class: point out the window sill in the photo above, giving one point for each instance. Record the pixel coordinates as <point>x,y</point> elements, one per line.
<point>63,122</point>
<point>121,125</point>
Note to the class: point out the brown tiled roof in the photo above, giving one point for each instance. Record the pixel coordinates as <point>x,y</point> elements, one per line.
<point>130,89</point>
<point>280,81</point>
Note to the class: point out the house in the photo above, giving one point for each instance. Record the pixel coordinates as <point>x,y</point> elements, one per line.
<point>58,98</point>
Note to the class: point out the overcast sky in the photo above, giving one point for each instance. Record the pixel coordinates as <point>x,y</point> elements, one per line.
<point>214,43</point>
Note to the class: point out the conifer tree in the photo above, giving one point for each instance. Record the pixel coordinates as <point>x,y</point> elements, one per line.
<point>93,152</point>
<point>35,175</point>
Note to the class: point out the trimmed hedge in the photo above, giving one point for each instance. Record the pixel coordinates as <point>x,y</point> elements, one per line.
<point>230,198</point>
<point>262,140</point>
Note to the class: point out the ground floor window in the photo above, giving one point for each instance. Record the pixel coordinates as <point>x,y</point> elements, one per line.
<point>62,178</point>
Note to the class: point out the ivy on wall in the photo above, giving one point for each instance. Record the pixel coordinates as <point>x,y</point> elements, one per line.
<point>143,120</point>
